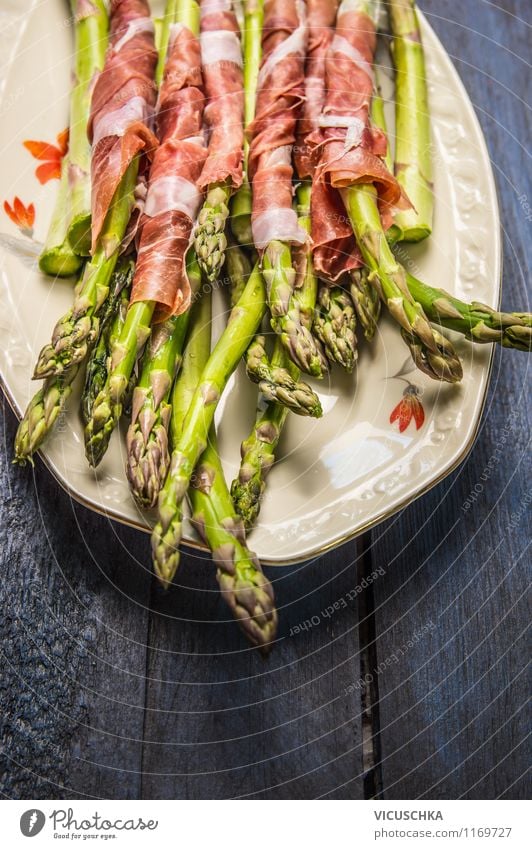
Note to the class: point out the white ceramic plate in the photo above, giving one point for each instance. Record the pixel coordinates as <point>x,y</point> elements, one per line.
<point>337,476</point>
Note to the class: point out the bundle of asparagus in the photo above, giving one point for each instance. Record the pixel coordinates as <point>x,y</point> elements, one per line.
<point>161,288</point>
<point>242,583</point>
<point>221,56</point>
<point>318,270</point>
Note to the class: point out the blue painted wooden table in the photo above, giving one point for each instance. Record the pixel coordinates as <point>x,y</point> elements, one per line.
<point>416,689</point>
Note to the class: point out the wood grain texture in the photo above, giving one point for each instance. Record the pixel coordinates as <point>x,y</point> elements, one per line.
<point>73,641</point>
<point>240,726</point>
<point>452,612</point>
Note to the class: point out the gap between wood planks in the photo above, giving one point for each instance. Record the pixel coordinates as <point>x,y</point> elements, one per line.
<point>368,674</point>
<point>369,691</point>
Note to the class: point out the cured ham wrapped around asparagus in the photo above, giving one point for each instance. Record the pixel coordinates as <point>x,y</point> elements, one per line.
<point>347,149</point>
<point>333,315</point>
<point>221,59</point>
<point>334,247</point>
<point>173,197</point>
<point>321,17</point>
<point>274,222</point>
<point>122,104</point>
<point>161,288</point>
<point>281,92</point>
<point>351,159</point>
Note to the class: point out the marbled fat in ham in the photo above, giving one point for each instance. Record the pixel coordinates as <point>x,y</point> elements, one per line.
<point>272,134</point>
<point>122,104</point>
<point>221,56</point>
<point>173,197</point>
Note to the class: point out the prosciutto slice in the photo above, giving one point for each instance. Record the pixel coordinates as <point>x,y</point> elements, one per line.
<point>173,197</point>
<point>122,104</point>
<point>321,17</point>
<point>221,56</point>
<point>334,247</point>
<point>272,134</point>
<point>344,147</point>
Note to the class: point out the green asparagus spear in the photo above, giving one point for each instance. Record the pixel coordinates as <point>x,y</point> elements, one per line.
<point>252,35</point>
<point>76,332</point>
<point>137,327</point>
<point>258,456</point>
<point>365,297</point>
<point>431,351</point>
<point>242,582</point>
<point>243,585</point>
<point>163,36</point>
<point>195,357</point>
<point>210,241</point>
<point>258,450</point>
<point>48,403</point>
<point>239,575</point>
<point>477,322</point>
<point>378,117</point>
<point>300,310</point>
<point>158,34</point>
<point>69,233</point>
<point>366,301</point>
<point>58,258</point>
<point>148,456</point>
<point>280,276</point>
<point>236,271</point>
<point>335,325</point>
<point>91,42</point>
<point>276,382</point>
<point>110,328</point>
<point>241,328</point>
<point>147,437</point>
<point>41,415</point>
<point>413,165</point>
<point>108,404</point>
<point>278,270</point>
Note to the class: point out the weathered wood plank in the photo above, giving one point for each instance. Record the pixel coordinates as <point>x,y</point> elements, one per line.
<point>73,642</point>
<point>221,722</point>
<point>452,609</point>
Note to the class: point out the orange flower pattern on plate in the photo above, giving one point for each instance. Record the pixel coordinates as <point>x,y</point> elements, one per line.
<point>22,216</point>
<point>408,408</point>
<point>50,156</point>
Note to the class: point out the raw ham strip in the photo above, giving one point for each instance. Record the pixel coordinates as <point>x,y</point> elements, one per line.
<point>122,104</point>
<point>221,56</point>
<point>344,147</point>
<point>321,16</point>
<point>173,198</point>
<point>334,247</point>
<point>273,131</point>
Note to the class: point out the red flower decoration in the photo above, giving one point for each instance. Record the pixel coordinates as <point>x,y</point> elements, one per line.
<point>49,155</point>
<point>410,407</point>
<point>22,216</point>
